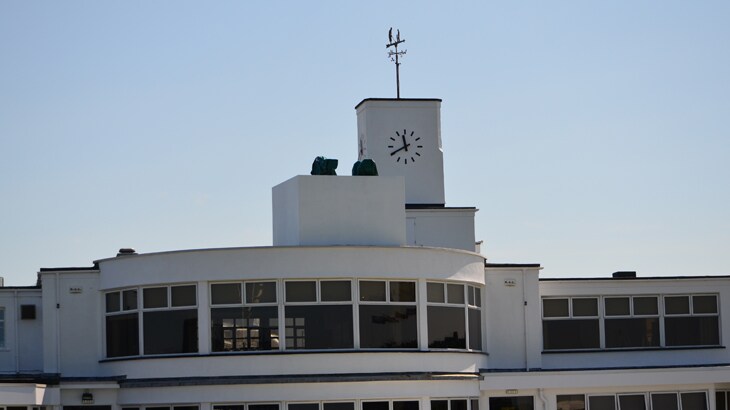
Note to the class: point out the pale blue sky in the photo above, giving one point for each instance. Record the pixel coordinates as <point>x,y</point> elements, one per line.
<point>592,135</point>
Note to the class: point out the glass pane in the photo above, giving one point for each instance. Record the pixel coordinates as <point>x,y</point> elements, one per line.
<point>405,405</point>
<point>301,291</point>
<point>571,402</point>
<point>122,335</point>
<point>474,404</point>
<point>664,401</point>
<point>632,402</point>
<point>155,297</point>
<point>645,305</point>
<point>171,331</point>
<point>691,331</point>
<point>225,293</point>
<point>478,296</point>
<point>372,291</point>
<point>570,334</point>
<point>263,292</point>
<point>617,306</point>
<point>375,405</point>
<point>555,307</point>
<point>244,328</point>
<point>676,305</point>
<point>446,327</point>
<point>303,406</point>
<point>336,291</point>
<point>183,407</point>
<point>263,407</point>
<point>602,402</point>
<point>694,401</point>
<point>511,403</point>
<point>704,304</point>
<point>319,327</point>
<point>338,406</point>
<point>634,332</point>
<point>439,405</point>
<point>228,407</point>
<point>475,329</point>
<point>455,293</point>
<point>388,326</point>
<point>435,292</point>
<point>129,299</point>
<point>720,400</point>
<point>184,295</point>
<point>402,291</point>
<point>458,404</point>
<point>585,307</point>
<point>113,303</point>
<point>470,295</point>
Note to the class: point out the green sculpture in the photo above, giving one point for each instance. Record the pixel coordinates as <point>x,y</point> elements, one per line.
<point>365,167</point>
<point>324,166</point>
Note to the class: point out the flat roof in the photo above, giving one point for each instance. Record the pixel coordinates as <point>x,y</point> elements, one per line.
<point>397,99</point>
<point>636,278</point>
<point>511,265</point>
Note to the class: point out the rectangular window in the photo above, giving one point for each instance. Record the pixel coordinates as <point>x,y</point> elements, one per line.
<point>387,313</point>
<point>318,315</point>
<point>570,323</point>
<point>721,400</point>
<point>602,402</point>
<point>122,323</point>
<point>454,316</point>
<point>249,321</point>
<point>631,321</point>
<point>691,320</point>
<point>664,401</point>
<point>457,404</point>
<point>170,319</point>
<point>252,406</point>
<point>571,402</point>
<point>2,327</point>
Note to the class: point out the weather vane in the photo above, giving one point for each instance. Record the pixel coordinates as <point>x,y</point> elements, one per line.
<point>394,55</point>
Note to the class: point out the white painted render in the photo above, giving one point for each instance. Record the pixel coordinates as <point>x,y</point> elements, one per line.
<point>443,228</point>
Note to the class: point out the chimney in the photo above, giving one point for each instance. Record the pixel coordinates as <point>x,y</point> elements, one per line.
<point>624,275</point>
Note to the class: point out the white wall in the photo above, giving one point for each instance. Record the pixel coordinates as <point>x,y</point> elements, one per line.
<point>23,352</point>
<point>444,228</point>
<point>315,210</point>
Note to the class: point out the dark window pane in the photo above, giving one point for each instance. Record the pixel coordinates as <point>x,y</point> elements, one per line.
<point>704,304</point>
<point>470,295</point>
<point>571,402</point>
<point>555,307</point>
<point>402,291</point>
<point>263,407</point>
<point>632,402</point>
<point>585,307</point>
<point>372,291</point>
<point>113,304</point>
<point>435,292</point>
<point>301,291</point>
<point>228,407</point>
<point>455,293</point>
<point>375,405</point>
<point>405,405</point>
<point>446,327</point>
<point>602,402</point>
<point>158,408</point>
<point>171,331</point>
<point>388,326</point>
<point>691,331</point>
<point>439,405</point>
<point>155,297</point>
<point>646,306</point>
<point>570,334</point>
<point>475,329</point>
<point>184,407</point>
<point>303,406</point>
<point>720,400</point>
<point>458,404</point>
<point>338,406</point>
<point>478,296</point>
<point>319,327</point>
<point>637,332</point>
<point>122,335</point>
<point>664,401</point>
<point>336,291</point>
<point>261,292</point>
<point>617,306</point>
<point>183,295</point>
<point>694,401</point>
<point>511,403</point>
<point>225,293</point>
<point>474,404</point>
<point>129,299</point>
<point>244,328</point>
<point>676,305</point>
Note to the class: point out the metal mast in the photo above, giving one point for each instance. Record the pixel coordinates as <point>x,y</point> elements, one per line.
<point>395,54</point>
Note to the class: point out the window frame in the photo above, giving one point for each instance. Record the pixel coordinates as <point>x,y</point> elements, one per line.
<point>467,288</point>
<point>387,302</point>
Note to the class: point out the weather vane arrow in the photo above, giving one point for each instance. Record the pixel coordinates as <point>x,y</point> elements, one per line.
<point>395,55</point>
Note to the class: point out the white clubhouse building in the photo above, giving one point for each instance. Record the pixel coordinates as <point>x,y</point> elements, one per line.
<point>374,296</point>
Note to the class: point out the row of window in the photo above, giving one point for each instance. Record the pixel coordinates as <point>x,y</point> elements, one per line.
<point>635,401</point>
<point>630,322</point>
<point>313,315</point>
<point>436,404</point>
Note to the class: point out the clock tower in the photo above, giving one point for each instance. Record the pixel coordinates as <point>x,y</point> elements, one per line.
<point>403,137</point>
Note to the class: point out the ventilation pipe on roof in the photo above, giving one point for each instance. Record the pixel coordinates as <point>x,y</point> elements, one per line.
<point>624,275</point>
<point>126,252</point>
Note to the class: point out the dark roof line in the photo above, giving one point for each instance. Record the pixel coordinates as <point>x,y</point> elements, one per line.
<point>580,369</point>
<point>636,278</point>
<point>72,268</point>
<point>436,206</point>
<point>397,99</point>
<point>511,265</point>
<point>21,287</point>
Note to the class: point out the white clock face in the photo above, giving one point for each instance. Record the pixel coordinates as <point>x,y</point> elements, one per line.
<point>405,147</point>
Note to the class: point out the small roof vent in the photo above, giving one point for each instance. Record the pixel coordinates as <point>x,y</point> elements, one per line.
<point>126,252</point>
<point>624,274</point>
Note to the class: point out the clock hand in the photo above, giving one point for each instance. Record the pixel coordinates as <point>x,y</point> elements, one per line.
<point>404,141</point>
<point>405,147</point>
